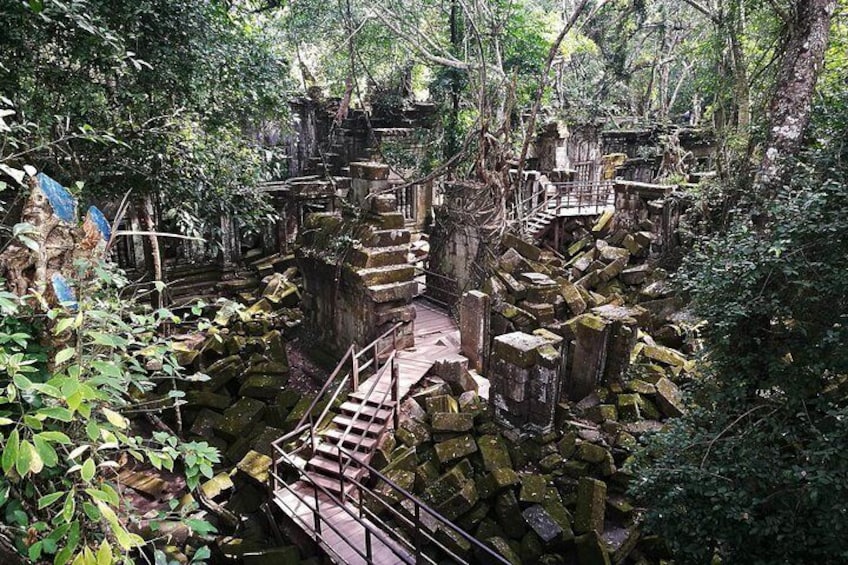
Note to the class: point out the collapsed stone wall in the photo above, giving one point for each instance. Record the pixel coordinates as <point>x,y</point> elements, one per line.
<point>357,279</point>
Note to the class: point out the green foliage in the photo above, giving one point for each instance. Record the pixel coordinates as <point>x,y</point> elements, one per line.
<point>69,379</point>
<point>757,473</point>
<point>160,97</point>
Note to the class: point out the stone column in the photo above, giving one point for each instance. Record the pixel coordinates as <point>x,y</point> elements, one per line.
<point>474,317</point>
<point>524,372</point>
<point>591,334</point>
<point>367,178</point>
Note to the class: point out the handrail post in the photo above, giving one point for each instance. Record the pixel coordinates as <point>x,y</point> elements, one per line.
<point>355,370</point>
<point>316,514</point>
<point>312,432</point>
<point>419,541</point>
<point>396,390</point>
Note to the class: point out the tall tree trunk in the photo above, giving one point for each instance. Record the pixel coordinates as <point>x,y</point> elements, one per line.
<point>147,215</point>
<point>452,130</point>
<point>742,92</point>
<point>791,103</point>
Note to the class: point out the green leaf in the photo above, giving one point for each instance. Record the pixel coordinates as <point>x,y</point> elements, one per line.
<point>33,422</point>
<point>91,511</point>
<point>56,437</point>
<point>65,354</point>
<point>22,382</point>
<point>61,326</point>
<point>6,422</point>
<point>109,340</point>
<point>88,469</point>
<point>200,527</point>
<point>49,499</point>
<point>92,430</point>
<point>115,419</point>
<point>10,452</point>
<point>61,414</point>
<point>104,554</point>
<point>34,551</point>
<point>69,506</point>
<point>24,461</point>
<point>45,451</point>
<point>77,451</point>
<point>126,540</point>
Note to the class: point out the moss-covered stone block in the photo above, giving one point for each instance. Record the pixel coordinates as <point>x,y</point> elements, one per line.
<point>591,453</point>
<point>591,502</point>
<point>494,452</point>
<point>239,418</point>
<point>256,467</point>
<point>452,422</point>
<point>533,488</point>
<point>455,448</point>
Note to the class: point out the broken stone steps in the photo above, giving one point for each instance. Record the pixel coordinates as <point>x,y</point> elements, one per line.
<point>386,275</point>
<point>330,467</point>
<point>393,292</point>
<point>360,426</point>
<point>350,440</point>
<point>388,238</point>
<point>331,484</point>
<point>370,257</point>
<point>367,411</point>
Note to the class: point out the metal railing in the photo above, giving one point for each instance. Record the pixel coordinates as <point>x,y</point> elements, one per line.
<point>575,198</point>
<point>353,496</point>
<point>416,540</point>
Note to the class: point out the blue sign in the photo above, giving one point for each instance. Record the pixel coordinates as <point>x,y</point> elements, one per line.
<point>63,291</point>
<point>96,217</point>
<point>63,202</point>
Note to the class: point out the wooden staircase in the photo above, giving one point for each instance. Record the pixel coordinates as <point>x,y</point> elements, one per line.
<point>358,429</point>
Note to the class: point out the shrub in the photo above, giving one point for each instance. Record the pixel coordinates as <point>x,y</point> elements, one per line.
<point>69,378</point>
<point>757,472</point>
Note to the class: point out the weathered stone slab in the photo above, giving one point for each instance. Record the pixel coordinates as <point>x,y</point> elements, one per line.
<point>474,318</point>
<point>591,502</point>
<point>542,523</point>
<point>256,466</point>
<point>494,452</point>
<point>455,448</point>
<point>533,488</point>
<point>527,250</point>
<point>669,398</point>
<point>239,418</point>
<point>452,422</point>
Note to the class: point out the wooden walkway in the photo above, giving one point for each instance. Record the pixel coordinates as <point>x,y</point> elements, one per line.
<point>340,532</point>
<point>436,339</point>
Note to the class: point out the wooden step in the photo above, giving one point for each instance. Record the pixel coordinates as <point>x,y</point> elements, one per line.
<point>332,453</point>
<point>360,425</point>
<point>350,440</point>
<point>330,468</point>
<point>367,411</point>
<point>331,484</point>
<point>375,399</point>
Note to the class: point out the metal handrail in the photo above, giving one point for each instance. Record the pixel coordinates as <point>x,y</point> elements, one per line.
<point>348,457</point>
<point>324,388</point>
<point>316,487</point>
<point>423,506</point>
